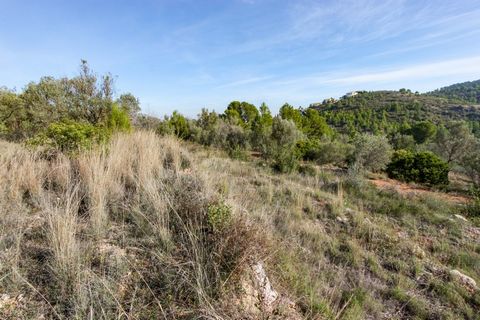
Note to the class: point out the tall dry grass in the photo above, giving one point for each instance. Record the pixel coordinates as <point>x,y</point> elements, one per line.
<point>119,231</point>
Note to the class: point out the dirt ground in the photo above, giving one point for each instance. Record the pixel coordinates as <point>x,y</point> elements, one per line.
<point>411,189</point>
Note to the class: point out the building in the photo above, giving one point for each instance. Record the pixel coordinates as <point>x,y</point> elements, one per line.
<point>351,94</point>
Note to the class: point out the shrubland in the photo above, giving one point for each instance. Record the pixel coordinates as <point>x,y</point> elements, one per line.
<point>108,213</point>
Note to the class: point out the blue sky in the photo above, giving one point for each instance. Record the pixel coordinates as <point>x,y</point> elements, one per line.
<point>188,54</point>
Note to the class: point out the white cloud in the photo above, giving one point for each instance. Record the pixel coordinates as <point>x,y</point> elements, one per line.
<point>464,67</point>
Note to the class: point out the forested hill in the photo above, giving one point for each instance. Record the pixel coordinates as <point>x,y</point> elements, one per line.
<point>388,111</point>
<point>469,92</point>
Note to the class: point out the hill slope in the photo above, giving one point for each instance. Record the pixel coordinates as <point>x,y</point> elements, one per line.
<point>153,228</point>
<point>387,110</point>
<point>468,92</point>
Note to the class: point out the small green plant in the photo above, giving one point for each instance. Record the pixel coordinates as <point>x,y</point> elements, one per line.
<point>219,215</point>
<point>421,167</point>
<point>473,208</point>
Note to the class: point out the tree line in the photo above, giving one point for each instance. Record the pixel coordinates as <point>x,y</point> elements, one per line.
<point>78,112</point>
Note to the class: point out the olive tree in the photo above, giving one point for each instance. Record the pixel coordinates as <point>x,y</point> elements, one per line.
<point>371,152</point>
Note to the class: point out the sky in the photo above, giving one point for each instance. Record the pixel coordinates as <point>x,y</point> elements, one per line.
<point>189,54</point>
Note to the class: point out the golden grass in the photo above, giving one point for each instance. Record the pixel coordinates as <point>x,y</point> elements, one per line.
<point>122,232</point>
<point>119,231</point>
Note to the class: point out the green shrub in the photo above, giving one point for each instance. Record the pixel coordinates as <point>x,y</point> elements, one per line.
<point>421,167</point>
<point>236,141</point>
<point>177,124</point>
<point>473,208</point>
<point>308,149</point>
<point>219,215</point>
<point>118,120</point>
<point>68,136</point>
<point>324,151</point>
<point>283,140</point>
<point>371,152</point>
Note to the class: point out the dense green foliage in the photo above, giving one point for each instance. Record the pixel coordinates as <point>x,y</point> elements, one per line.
<point>391,112</point>
<point>466,91</point>
<point>283,140</point>
<point>67,113</point>
<point>70,136</point>
<point>371,152</point>
<point>421,167</point>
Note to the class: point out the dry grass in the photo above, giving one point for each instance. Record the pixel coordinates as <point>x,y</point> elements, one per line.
<point>125,232</point>
<point>120,231</point>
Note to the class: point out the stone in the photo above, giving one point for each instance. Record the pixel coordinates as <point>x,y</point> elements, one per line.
<point>418,252</point>
<point>267,294</point>
<point>342,219</point>
<point>460,217</point>
<point>464,280</point>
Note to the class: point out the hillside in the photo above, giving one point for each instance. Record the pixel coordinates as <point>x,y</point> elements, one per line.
<point>387,111</point>
<point>466,92</point>
<point>151,227</point>
<point>109,214</point>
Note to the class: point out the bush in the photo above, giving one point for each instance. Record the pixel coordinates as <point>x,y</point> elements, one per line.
<point>219,215</point>
<point>119,120</point>
<point>283,140</point>
<point>471,164</point>
<point>177,124</point>
<point>68,136</point>
<point>371,152</point>
<point>473,208</point>
<point>236,141</point>
<point>324,151</point>
<point>421,167</point>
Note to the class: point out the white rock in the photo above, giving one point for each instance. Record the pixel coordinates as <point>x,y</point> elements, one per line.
<point>463,279</point>
<point>460,217</point>
<point>268,294</point>
<point>342,219</point>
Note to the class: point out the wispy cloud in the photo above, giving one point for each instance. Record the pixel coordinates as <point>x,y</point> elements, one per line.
<point>469,66</point>
<point>466,67</point>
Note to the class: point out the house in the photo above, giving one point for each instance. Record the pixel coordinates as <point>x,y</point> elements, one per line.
<point>350,94</point>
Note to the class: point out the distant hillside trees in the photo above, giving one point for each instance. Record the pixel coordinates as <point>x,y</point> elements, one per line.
<point>466,91</point>
<point>422,131</point>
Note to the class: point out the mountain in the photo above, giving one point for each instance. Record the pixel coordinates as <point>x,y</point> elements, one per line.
<point>468,92</point>
<point>388,111</point>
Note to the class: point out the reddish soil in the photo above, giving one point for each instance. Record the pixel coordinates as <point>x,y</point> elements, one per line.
<point>409,189</point>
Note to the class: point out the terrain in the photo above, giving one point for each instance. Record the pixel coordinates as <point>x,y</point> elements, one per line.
<point>387,111</point>
<point>363,208</point>
<point>131,234</point>
<point>464,92</point>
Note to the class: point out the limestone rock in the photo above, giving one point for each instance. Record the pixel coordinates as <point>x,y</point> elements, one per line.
<point>418,252</point>
<point>259,299</point>
<point>267,294</point>
<point>464,280</point>
<point>460,217</point>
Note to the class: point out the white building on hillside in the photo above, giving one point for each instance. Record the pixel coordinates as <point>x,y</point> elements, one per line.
<point>351,94</point>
